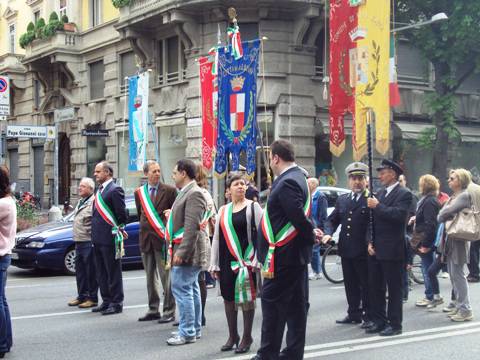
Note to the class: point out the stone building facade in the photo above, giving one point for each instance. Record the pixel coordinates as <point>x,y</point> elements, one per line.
<point>86,70</point>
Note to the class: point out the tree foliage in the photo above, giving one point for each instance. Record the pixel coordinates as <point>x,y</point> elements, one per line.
<point>453,48</point>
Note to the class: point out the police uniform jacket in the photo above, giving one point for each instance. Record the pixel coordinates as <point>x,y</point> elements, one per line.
<point>353,216</point>
<point>390,218</point>
<point>285,204</point>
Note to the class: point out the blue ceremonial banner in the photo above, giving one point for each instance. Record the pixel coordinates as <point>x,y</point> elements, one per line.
<point>137,121</point>
<point>237,111</point>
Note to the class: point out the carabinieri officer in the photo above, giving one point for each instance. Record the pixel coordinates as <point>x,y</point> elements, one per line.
<point>352,213</point>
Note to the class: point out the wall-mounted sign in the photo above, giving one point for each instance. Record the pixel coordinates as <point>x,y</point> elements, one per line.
<point>94,132</point>
<point>28,131</point>
<point>65,114</point>
<point>4,96</point>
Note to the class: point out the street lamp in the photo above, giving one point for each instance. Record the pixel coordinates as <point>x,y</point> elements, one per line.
<point>437,17</point>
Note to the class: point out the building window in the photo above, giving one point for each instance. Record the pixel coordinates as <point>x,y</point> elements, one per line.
<point>412,68</point>
<point>96,150</point>
<point>97,84</point>
<point>128,68</point>
<point>320,54</point>
<point>36,16</point>
<point>249,31</point>
<point>95,16</point>
<point>63,7</point>
<point>11,38</point>
<point>172,61</point>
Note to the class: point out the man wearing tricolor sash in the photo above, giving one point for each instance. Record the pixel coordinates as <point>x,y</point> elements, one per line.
<point>108,220</point>
<point>189,251</point>
<point>151,200</point>
<point>284,247</point>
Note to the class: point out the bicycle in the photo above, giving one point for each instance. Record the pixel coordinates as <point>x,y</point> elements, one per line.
<point>415,273</point>
<point>331,263</point>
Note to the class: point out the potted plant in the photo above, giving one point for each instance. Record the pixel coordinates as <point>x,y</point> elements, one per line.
<point>67,26</point>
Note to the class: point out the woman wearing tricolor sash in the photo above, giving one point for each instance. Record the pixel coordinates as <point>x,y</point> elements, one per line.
<point>234,263</point>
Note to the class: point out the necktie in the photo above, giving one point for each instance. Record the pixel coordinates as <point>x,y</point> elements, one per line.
<point>152,193</point>
<point>100,188</point>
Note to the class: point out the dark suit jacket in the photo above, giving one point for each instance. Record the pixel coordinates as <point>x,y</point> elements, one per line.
<point>426,219</point>
<point>390,223</point>
<point>354,218</point>
<point>148,239</point>
<point>285,204</point>
<point>114,197</point>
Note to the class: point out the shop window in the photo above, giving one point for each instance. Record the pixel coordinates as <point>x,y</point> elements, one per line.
<point>97,83</point>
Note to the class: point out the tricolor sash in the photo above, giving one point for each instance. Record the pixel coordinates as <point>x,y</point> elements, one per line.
<point>177,237</point>
<point>151,213</point>
<point>242,266</point>
<point>283,237</point>
<point>117,229</point>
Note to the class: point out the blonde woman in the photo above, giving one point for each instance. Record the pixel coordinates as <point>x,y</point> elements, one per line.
<point>457,250</point>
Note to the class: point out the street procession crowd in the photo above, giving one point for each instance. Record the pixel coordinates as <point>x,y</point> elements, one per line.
<point>186,243</point>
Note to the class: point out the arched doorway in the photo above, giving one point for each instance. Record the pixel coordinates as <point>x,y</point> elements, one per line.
<point>64,154</point>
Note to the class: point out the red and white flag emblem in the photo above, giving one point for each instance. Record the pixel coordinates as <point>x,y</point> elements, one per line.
<point>237,111</point>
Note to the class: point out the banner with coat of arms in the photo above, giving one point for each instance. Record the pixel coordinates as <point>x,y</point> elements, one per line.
<point>237,93</point>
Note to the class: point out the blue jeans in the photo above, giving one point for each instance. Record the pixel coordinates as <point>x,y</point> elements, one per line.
<point>316,259</point>
<point>427,261</point>
<point>186,291</point>
<point>5,322</point>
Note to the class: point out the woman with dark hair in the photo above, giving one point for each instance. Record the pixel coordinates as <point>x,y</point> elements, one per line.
<point>8,228</point>
<point>233,260</point>
<point>202,182</point>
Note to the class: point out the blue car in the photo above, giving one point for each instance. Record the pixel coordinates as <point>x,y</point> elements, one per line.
<point>51,246</point>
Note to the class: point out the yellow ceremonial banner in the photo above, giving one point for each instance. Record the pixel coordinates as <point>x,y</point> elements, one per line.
<point>369,62</point>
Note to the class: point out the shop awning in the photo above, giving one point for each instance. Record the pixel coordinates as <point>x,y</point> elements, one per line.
<point>412,130</point>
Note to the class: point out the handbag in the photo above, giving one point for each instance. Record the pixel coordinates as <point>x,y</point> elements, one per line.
<point>416,239</point>
<point>465,225</point>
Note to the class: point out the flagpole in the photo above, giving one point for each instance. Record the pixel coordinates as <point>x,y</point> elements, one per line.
<point>370,115</point>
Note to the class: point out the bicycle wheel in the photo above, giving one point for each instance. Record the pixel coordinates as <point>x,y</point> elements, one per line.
<point>415,272</point>
<point>332,265</point>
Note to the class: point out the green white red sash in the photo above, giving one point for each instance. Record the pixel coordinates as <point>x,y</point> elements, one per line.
<point>117,229</point>
<point>283,237</point>
<point>177,237</point>
<point>151,213</point>
<point>242,266</point>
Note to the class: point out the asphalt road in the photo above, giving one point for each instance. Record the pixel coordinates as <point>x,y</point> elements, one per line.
<point>46,328</point>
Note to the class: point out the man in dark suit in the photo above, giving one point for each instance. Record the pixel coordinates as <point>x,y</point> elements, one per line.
<point>352,214</point>
<point>285,258</point>
<point>387,250</point>
<point>108,261</point>
<point>152,199</point>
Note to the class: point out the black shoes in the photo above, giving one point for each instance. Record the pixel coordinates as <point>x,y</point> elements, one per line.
<point>348,320</point>
<point>374,329</point>
<point>113,309</point>
<point>166,319</point>
<point>243,349</point>
<point>390,331</point>
<point>230,344</point>
<point>149,317</point>
<point>100,308</point>
<point>473,279</point>
<point>367,324</point>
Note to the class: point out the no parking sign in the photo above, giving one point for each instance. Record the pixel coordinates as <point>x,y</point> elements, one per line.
<point>4,96</point>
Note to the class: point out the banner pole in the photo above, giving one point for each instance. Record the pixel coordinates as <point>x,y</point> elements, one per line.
<point>371,224</point>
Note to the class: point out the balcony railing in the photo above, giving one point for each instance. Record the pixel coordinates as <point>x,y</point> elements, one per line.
<point>142,6</point>
<point>172,77</point>
<point>319,70</point>
<point>62,41</point>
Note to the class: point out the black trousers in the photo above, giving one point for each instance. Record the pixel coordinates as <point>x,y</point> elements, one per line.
<point>383,275</point>
<point>85,273</point>
<point>284,301</point>
<point>109,275</point>
<point>473,266</point>
<point>355,277</point>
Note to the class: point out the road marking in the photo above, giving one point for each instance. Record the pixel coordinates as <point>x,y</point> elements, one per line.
<point>62,283</point>
<point>336,287</point>
<point>349,344</point>
<point>38,316</point>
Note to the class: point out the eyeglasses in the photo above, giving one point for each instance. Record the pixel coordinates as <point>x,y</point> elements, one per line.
<point>451,179</point>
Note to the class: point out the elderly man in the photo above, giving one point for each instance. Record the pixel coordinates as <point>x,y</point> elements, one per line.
<point>189,249</point>
<point>152,199</point>
<point>387,250</point>
<point>108,220</point>
<point>82,236</point>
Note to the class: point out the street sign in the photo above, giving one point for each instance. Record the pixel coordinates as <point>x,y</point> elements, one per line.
<point>4,96</point>
<point>65,114</point>
<point>26,131</point>
<point>51,133</point>
<point>94,132</point>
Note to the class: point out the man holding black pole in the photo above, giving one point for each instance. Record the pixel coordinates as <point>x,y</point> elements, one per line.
<point>387,250</point>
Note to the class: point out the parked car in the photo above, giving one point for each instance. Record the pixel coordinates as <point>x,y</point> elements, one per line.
<point>51,246</point>
<point>332,194</point>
